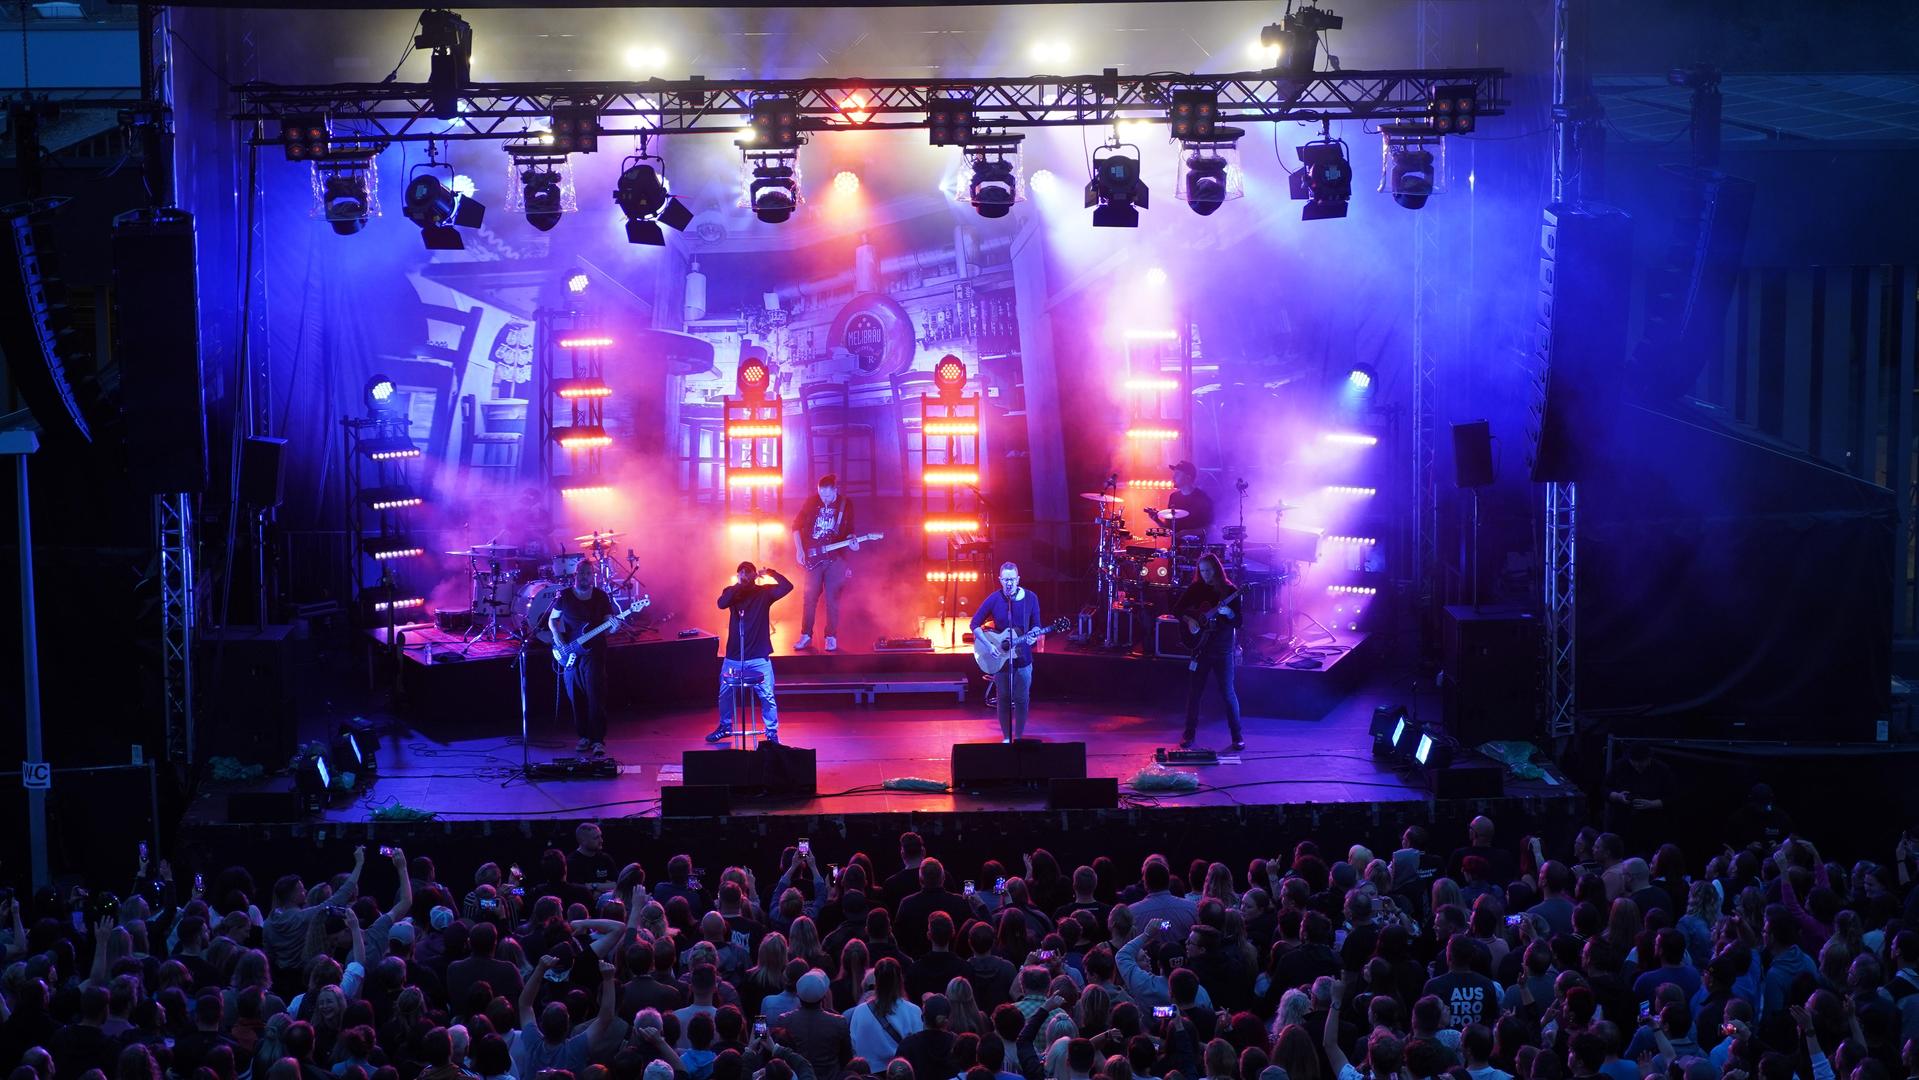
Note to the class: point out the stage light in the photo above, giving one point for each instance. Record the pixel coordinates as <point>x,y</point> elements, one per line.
<point>540,190</point>
<point>437,210</point>
<point>752,430</point>
<point>1352,590</point>
<point>577,281</point>
<point>582,437</point>
<point>1051,52</point>
<point>379,394</point>
<point>846,182</point>
<point>392,497</point>
<point>1324,180</point>
<point>575,389</point>
<point>576,129</point>
<point>993,187</point>
<point>1267,56</point>
<point>644,198</point>
<point>407,603</point>
<point>1351,489</point>
<point>1194,114</point>
<point>305,135</point>
<point>1044,181</point>
<point>1385,719</point>
<point>388,548</point>
<point>585,491</point>
<point>1297,39</point>
<point>1116,194</point>
<point>935,476</point>
<point>1350,541</point>
<point>1454,109</point>
<point>1205,183</point>
<point>1152,386</point>
<point>776,123</point>
<point>1152,434</point>
<point>747,530</point>
<point>952,525</point>
<point>598,342</point>
<point>1156,276</point>
<point>856,109</point>
<point>1400,741</point>
<point>949,375</point>
<point>389,448</point>
<point>754,378</point>
<point>754,478</point>
<point>774,190</point>
<point>949,121</point>
<point>941,577</point>
<point>451,40</point>
<point>645,57</point>
<point>355,746</point>
<point>1362,380</point>
<point>1149,485</point>
<point>346,188</point>
<point>1350,438</point>
<point>463,186</point>
<point>1151,334</point>
<point>311,781</point>
<point>950,428</point>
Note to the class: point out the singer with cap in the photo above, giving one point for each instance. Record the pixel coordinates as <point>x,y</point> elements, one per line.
<point>749,644</point>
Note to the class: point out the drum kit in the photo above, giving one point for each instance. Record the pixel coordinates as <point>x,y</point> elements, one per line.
<point>1146,573</point>
<point>513,593</point>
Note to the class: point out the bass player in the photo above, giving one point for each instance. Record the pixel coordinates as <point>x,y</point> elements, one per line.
<point>1209,611</point>
<point>1012,607</point>
<point>827,518</point>
<point>583,682</point>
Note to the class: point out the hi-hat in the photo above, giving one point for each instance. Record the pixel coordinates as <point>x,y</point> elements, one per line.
<point>1094,496</point>
<point>594,538</point>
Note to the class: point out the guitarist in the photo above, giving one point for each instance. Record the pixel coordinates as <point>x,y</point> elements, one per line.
<point>1210,612</point>
<point>579,609</point>
<point>827,518</point>
<point>1012,607</point>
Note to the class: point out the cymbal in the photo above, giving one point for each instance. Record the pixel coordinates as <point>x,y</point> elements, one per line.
<point>1172,515</point>
<point>483,551</point>
<point>596,537</point>
<point>1094,496</point>
<point>1277,508</point>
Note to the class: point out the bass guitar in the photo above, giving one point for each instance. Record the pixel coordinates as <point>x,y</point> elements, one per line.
<point>992,649</point>
<point>816,555</point>
<point>568,654</point>
<point>1200,629</point>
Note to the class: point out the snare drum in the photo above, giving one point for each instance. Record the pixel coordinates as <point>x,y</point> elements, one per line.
<point>534,605</point>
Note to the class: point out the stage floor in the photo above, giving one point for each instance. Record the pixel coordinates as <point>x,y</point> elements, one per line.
<point>467,770</point>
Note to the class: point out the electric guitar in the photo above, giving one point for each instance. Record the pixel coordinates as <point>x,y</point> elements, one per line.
<point>817,555</point>
<point>993,648</point>
<point>566,655</point>
<point>1201,629</point>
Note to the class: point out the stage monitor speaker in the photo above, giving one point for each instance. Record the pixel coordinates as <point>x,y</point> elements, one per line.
<point>696,800</point>
<point>774,768</point>
<point>1084,793</point>
<point>1491,659</point>
<point>264,807</point>
<point>51,363</point>
<point>1585,275</point>
<point>156,308</point>
<point>1023,761</point>
<point>1473,454</point>
<point>1468,781</point>
<point>263,472</point>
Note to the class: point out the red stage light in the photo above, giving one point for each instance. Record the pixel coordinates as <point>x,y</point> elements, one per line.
<point>585,342</point>
<point>585,491</point>
<point>952,525</point>
<point>581,388</point>
<point>582,438</point>
<point>759,478</point>
<point>753,430</point>
<point>950,375</point>
<point>754,378</point>
<point>950,427</point>
<point>942,477</point>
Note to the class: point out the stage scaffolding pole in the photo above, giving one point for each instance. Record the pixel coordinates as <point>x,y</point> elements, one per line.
<point>1427,311</point>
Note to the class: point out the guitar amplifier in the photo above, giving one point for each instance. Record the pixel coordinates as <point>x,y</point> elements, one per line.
<point>1169,639</point>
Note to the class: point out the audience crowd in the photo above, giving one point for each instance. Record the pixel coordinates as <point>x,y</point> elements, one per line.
<point>1499,960</point>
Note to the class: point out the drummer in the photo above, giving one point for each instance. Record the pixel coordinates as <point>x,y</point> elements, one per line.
<point>1187,496</point>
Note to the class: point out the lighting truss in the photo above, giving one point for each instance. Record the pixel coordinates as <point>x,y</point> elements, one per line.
<point>404,112</point>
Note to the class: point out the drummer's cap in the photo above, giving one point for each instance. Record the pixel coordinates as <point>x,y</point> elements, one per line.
<point>1184,466</point>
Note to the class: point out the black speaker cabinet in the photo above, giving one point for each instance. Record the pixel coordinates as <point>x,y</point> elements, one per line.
<point>264,807</point>
<point>774,768</point>
<point>696,800</point>
<point>1473,454</point>
<point>254,709</point>
<point>1492,674</point>
<point>1023,761</point>
<point>263,472</point>
<point>157,311</point>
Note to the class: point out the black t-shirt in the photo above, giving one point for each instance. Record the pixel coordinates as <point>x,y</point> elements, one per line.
<point>1199,600</point>
<point>590,870</point>
<point>578,615</point>
<point>1199,510</point>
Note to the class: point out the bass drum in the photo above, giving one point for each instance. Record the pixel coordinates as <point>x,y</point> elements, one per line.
<point>534,605</point>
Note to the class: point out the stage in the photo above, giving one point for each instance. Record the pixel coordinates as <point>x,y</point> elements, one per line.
<point>1298,774</point>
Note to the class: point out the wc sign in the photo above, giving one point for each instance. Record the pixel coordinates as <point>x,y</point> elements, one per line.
<point>36,775</point>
